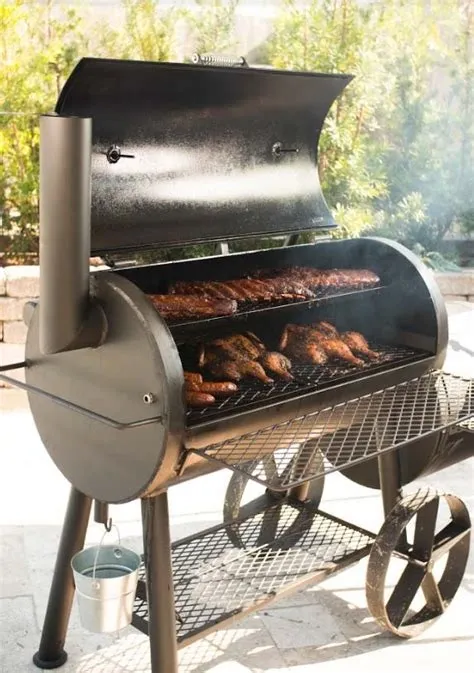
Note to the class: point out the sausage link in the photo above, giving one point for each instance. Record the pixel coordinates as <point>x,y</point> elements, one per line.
<point>221,389</point>
<point>199,399</point>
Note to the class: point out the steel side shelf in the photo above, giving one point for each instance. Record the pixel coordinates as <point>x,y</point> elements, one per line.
<point>349,433</point>
<point>236,568</point>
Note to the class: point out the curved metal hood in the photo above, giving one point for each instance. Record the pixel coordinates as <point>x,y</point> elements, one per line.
<point>208,150</point>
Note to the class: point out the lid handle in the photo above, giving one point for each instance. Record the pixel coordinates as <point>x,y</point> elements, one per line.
<point>114,153</point>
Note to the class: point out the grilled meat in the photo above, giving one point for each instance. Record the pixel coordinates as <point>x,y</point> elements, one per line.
<point>336,348</point>
<point>200,393</point>
<point>320,279</point>
<point>199,399</point>
<point>236,346</point>
<point>284,284</point>
<point>223,369</point>
<point>325,328</point>
<point>255,370</point>
<point>358,344</point>
<point>278,364</point>
<point>192,377</point>
<point>298,342</point>
<point>174,307</point>
<point>218,389</point>
<point>235,370</point>
<point>234,357</point>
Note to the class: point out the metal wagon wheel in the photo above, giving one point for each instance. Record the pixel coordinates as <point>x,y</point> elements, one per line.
<point>271,522</point>
<point>432,544</point>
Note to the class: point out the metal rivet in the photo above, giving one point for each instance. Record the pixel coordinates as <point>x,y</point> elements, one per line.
<point>148,398</point>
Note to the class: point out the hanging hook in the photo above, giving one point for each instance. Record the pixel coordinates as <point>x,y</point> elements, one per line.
<point>108,524</point>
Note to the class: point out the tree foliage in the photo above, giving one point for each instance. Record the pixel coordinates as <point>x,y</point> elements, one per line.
<point>396,152</point>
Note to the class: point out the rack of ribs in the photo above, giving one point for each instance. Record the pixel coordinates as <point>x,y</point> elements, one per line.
<point>175,307</point>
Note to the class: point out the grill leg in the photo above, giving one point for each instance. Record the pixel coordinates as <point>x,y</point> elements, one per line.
<point>51,653</point>
<point>390,480</point>
<point>391,486</point>
<point>159,580</point>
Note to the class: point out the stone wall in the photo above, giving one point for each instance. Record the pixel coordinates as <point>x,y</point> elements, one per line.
<point>21,283</point>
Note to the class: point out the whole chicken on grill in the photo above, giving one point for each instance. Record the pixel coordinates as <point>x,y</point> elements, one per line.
<point>358,343</point>
<point>304,342</point>
<point>297,342</point>
<point>234,357</point>
<point>239,355</point>
<point>278,364</point>
<point>239,345</point>
<point>325,328</point>
<point>354,340</point>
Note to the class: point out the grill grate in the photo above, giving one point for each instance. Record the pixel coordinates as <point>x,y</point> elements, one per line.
<point>214,579</point>
<point>468,425</point>
<point>308,378</point>
<point>283,455</point>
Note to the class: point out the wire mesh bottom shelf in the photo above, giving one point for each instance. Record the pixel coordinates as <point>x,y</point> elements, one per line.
<point>307,378</point>
<point>234,568</point>
<point>288,454</point>
<point>468,425</point>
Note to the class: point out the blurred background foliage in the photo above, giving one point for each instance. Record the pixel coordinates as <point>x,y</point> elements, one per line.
<point>396,152</point>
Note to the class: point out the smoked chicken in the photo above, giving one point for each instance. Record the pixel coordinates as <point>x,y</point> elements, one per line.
<point>298,342</point>
<point>305,343</point>
<point>358,344</point>
<point>238,355</point>
<point>278,364</point>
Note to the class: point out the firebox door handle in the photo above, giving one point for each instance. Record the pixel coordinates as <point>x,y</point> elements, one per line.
<point>278,150</point>
<point>114,153</point>
<point>60,401</point>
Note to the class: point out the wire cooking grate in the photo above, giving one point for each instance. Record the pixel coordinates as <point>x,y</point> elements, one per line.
<point>283,455</point>
<point>307,378</point>
<point>214,579</point>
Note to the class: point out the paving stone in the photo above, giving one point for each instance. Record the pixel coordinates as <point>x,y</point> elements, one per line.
<point>12,353</point>
<point>14,572</point>
<point>303,626</point>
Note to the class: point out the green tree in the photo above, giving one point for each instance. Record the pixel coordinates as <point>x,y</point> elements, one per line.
<point>338,36</point>
<point>212,25</point>
<point>38,52</point>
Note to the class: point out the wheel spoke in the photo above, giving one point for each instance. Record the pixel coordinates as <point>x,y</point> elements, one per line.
<point>404,592</point>
<point>425,530</point>
<point>432,594</point>
<point>447,539</point>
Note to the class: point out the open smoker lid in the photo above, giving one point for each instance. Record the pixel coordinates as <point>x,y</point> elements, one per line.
<point>209,150</point>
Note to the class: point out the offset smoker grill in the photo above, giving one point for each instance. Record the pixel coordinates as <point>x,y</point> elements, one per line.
<point>181,154</point>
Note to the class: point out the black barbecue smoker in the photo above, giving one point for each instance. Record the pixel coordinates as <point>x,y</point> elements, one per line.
<point>140,156</point>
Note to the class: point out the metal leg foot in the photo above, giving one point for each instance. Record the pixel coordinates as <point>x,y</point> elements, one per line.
<point>51,652</point>
<point>159,579</point>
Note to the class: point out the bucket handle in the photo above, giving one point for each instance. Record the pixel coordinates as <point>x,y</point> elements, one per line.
<point>117,552</point>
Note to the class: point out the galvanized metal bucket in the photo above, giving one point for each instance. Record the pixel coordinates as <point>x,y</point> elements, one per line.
<point>106,579</point>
